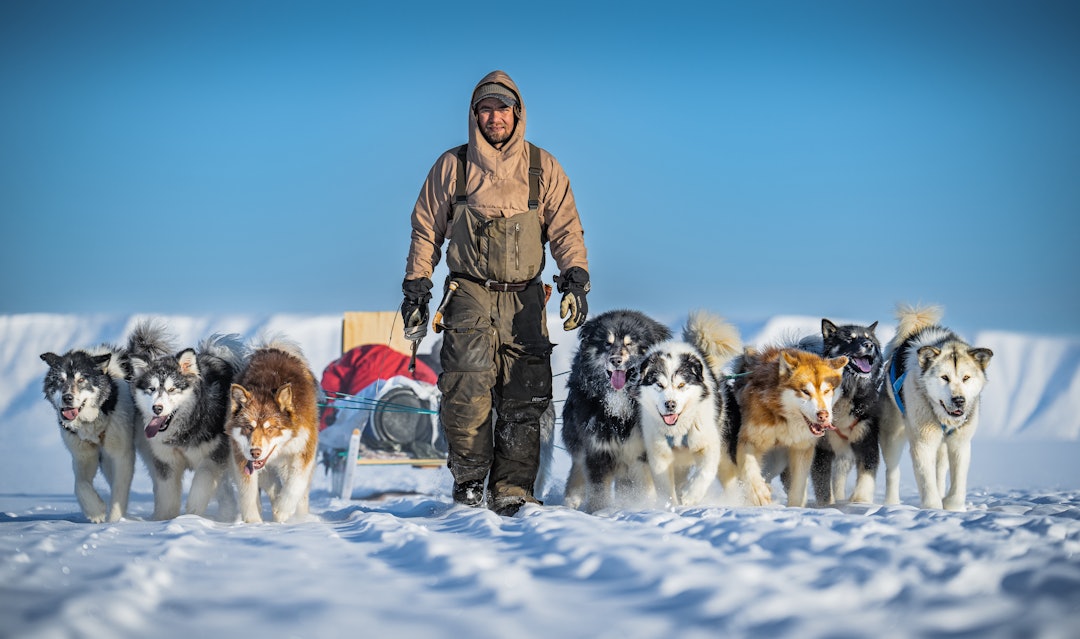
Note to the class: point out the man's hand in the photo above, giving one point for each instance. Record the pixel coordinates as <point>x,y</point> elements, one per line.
<point>574,308</point>
<point>414,308</point>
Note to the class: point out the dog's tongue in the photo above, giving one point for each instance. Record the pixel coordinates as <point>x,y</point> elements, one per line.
<point>862,364</point>
<point>252,466</point>
<point>618,379</point>
<point>69,414</point>
<point>154,426</point>
<point>671,419</point>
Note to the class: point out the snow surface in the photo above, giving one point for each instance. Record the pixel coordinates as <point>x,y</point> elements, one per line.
<point>399,559</point>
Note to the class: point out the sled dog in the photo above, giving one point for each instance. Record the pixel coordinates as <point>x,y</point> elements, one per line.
<point>182,403</point>
<point>88,390</point>
<point>274,430</point>
<point>681,403</point>
<point>600,417</point>
<point>935,380</point>
<point>783,397</point>
<point>856,414</point>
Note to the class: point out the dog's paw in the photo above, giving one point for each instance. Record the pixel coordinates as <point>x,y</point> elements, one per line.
<point>759,493</point>
<point>954,503</point>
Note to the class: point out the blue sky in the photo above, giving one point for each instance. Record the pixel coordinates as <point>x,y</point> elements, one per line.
<point>759,158</point>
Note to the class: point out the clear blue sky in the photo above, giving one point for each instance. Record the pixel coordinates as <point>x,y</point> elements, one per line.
<point>754,158</point>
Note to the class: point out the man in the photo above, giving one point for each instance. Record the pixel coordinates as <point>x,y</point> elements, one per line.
<point>497,200</point>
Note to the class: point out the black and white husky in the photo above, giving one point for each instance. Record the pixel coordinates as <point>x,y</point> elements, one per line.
<point>88,389</point>
<point>600,417</point>
<point>182,401</point>
<point>935,380</point>
<point>856,414</point>
<point>682,408</point>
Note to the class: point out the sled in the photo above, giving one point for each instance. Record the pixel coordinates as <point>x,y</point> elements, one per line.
<point>373,350</point>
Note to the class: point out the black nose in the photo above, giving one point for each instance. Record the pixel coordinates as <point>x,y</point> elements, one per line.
<point>669,406</point>
<point>68,398</point>
<point>958,401</point>
<point>157,409</point>
<point>256,453</point>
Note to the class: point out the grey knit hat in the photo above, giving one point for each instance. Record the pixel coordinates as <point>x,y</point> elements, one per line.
<point>494,90</point>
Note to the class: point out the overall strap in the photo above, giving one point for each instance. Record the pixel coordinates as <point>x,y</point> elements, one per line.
<point>459,196</point>
<point>534,176</point>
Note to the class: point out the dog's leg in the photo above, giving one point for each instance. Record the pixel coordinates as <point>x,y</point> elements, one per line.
<point>892,438</point>
<point>660,463</point>
<point>748,459</point>
<point>574,493</point>
<point>84,462</point>
<point>248,488</point>
<point>841,470</point>
<point>924,456</point>
<point>121,464</point>
<point>204,484</point>
<point>959,464</point>
<point>823,471</point>
<point>292,488</point>
<point>600,476</point>
<point>799,460</point>
<point>168,489</point>
<point>703,474</point>
<point>942,467</point>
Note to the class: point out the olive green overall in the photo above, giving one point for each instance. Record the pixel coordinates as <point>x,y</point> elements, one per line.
<point>495,349</point>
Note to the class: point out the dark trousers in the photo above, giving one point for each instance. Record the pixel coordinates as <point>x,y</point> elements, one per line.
<point>495,354</point>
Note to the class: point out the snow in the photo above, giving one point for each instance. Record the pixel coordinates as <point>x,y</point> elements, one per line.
<point>399,559</point>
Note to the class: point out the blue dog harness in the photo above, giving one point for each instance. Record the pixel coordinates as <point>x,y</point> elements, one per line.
<point>898,383</point>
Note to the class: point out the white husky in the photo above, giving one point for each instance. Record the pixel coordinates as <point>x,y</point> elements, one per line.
<point>682,408</point>
<point>935,380</point>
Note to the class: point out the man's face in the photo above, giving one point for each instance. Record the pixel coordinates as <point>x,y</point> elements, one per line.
<point>496,120</point>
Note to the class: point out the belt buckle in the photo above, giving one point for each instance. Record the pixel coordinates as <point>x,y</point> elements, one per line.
<point>493,285</point>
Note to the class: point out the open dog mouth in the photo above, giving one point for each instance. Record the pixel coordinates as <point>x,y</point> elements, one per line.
<point>861,364</point>
<point>157,424</point>
<point>670,419</point>
<point>618,379</point>
<point>818,429</point>
<point>954,412</point>
<point>256,464</point>
<point>69,413</point>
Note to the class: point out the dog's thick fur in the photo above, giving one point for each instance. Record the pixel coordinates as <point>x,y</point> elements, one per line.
<point>783,397</point>
<point>681,402</point>
<point>600,417</point>
<point>856,414</point>
<point>274,430</point>
<point>88,390</point>
<point>182,401</point>
<point>942,381</point>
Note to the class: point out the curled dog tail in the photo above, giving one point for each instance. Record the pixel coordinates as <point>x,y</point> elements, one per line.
<point>281,343</point>
<point>150,339</point>
<point>912,319</point>
<point>717,339</point>
<point>228,347</point>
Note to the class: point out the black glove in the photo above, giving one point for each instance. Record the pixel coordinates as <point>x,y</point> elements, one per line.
<point>414,308</point>
<point>573,284</point>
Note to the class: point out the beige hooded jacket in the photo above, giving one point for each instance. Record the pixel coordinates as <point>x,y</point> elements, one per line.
<point>497,185</point>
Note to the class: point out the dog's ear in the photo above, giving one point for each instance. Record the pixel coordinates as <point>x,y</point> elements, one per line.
<point>284,398</point>
<point>102,361</point>
<point>982,356</point>
<point>787,362</point>
<point>238,397</point>
<point>52,359</point>
<point>828,329</point>
<point>837,363</point>
<point>189,362</point>
<point>927,355</point>
<point>870,329</point>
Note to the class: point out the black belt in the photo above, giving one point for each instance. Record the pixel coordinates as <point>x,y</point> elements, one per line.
<point>492,285</point>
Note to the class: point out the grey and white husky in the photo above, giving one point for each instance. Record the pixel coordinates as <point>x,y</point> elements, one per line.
<point>935,380</point>
<point>182,401</point>
<point>88,389</point>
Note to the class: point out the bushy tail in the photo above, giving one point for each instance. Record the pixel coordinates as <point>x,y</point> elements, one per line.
<point>717,339</point>
<point>229,347</point>
<point>283,344</point>
<point>912,319</point>
<point>150,339</point>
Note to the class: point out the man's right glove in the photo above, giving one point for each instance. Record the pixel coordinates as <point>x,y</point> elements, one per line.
<point>414,308</point>
<point>573,284</point>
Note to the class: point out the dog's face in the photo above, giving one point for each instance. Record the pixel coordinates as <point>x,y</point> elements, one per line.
<point>858,343</point>
<point>163,388</point>
<point>953,376</point>
<point>613,344</point>
<point>77,385</point>
<point>670,382</point>
<point>258,426</point>
<point>809,382</point>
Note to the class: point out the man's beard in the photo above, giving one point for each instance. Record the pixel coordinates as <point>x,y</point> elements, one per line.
<point>498,139</point>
